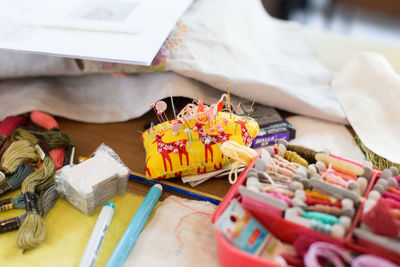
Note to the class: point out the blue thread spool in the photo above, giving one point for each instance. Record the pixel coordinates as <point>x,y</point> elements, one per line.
<point>319,216</point>
<point>320,227</point>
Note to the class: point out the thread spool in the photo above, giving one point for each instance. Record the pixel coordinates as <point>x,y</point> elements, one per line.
<point>348,207</point>
<point>340,165</point>
<point>294,157</point>
<point>252,181</point>
<point>345,221</point>
<point>374,195</point>
<point>363,184</point>
<point>325,209</point>
<point>392,182</point>
<point>394,170</point>
<point>354,186</point>
<point>379,188</point>
<point>283,142</point>
<point>384,183</point>
<point>301,171</point>
<point>369,204</point>
<point>295,186</point>
<point>319,216</point>
<point>260,165</point>
<point>386,173</point>
<point>367,167</point>
<point>306,153</point>
<point>334,191</point>
<point>320,166</point>
<point>313,168</point>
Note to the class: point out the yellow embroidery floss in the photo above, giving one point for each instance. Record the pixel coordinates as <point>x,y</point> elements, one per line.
<point>242,155</point>
<point>294,157</point>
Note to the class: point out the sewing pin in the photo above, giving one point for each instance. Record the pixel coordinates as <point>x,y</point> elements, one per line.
<point>236,114</point>
<point>172,100</point>
<point>153,106</point>
<point>251,108</point>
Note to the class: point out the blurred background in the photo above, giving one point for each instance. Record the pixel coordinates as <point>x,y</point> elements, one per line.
<point>369,20</point>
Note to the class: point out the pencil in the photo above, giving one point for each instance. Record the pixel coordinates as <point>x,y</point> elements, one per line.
<point>175,188</point>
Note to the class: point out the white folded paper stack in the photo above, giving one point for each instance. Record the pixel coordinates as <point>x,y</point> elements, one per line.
<point>94,181</point>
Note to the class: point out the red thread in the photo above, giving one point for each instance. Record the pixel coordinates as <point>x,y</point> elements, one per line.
<point>394,190</point>
<point>381,221</point>
<point>183,218</point>
<point>311,201</point>
<point>57,154</point>
<point>391,195</point>
<point>44,120</point>
<point>392,203</point>
<point>8,125</point>
<point>194,211</point>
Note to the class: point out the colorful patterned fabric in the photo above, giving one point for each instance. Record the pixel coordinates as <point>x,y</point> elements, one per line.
<point>194,149</point>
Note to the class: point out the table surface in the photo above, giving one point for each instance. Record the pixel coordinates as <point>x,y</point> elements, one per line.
<point>124,138</point>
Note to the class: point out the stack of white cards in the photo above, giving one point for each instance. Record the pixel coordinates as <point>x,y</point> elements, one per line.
<point>94,181</point>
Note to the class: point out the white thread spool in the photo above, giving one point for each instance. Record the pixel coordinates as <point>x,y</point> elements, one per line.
<point>369,204</point>
<point>375,195</point>
<point>363,183</point>
<point>394,170</point>
<point>294,215</point>
<point>345,221</point>
<point>300,194</point>
<point>384,183</point>
<point>392,182</point>
<point>320,166</point>
<point>338,231</point>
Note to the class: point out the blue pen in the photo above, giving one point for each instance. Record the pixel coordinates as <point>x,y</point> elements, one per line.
<point>127,241</point>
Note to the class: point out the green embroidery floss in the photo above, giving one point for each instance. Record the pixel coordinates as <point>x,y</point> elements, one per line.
<point>47,201</point>
<point>377,161</point>
<point>15,180</point>
<point>53,138</point>
<point>19,152</point>
<point>32,231</point>
<point>17,202</point>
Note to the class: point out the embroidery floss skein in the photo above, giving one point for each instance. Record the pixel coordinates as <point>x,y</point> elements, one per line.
<point>15,180</point>
<point>44,120</point>
<point>8,125</point>
<point>33,230</point>
<point>19,152</point>
<point>47,201</point>
<point>242,155</point>
<point>55,138</point>
<point>307,153</point>
<point>17,202</point>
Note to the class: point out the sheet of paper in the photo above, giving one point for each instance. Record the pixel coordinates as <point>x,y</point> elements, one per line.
<point>126,31</point>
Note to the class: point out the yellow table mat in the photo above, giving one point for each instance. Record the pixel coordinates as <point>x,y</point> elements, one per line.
<point>68,232</point>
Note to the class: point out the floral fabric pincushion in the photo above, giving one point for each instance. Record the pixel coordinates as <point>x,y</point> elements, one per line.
<point>182,147</point>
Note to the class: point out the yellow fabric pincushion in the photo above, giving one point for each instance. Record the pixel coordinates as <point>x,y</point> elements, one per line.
<point>196,147</point>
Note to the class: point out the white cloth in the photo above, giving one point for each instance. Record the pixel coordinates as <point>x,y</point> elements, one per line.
<point>369,91</point>
<point>231,42</point>
<point>178,235</point>
<point>325,136</point>
<point>97,98</point>
<point>235,42</point>
<point>18,64</point>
